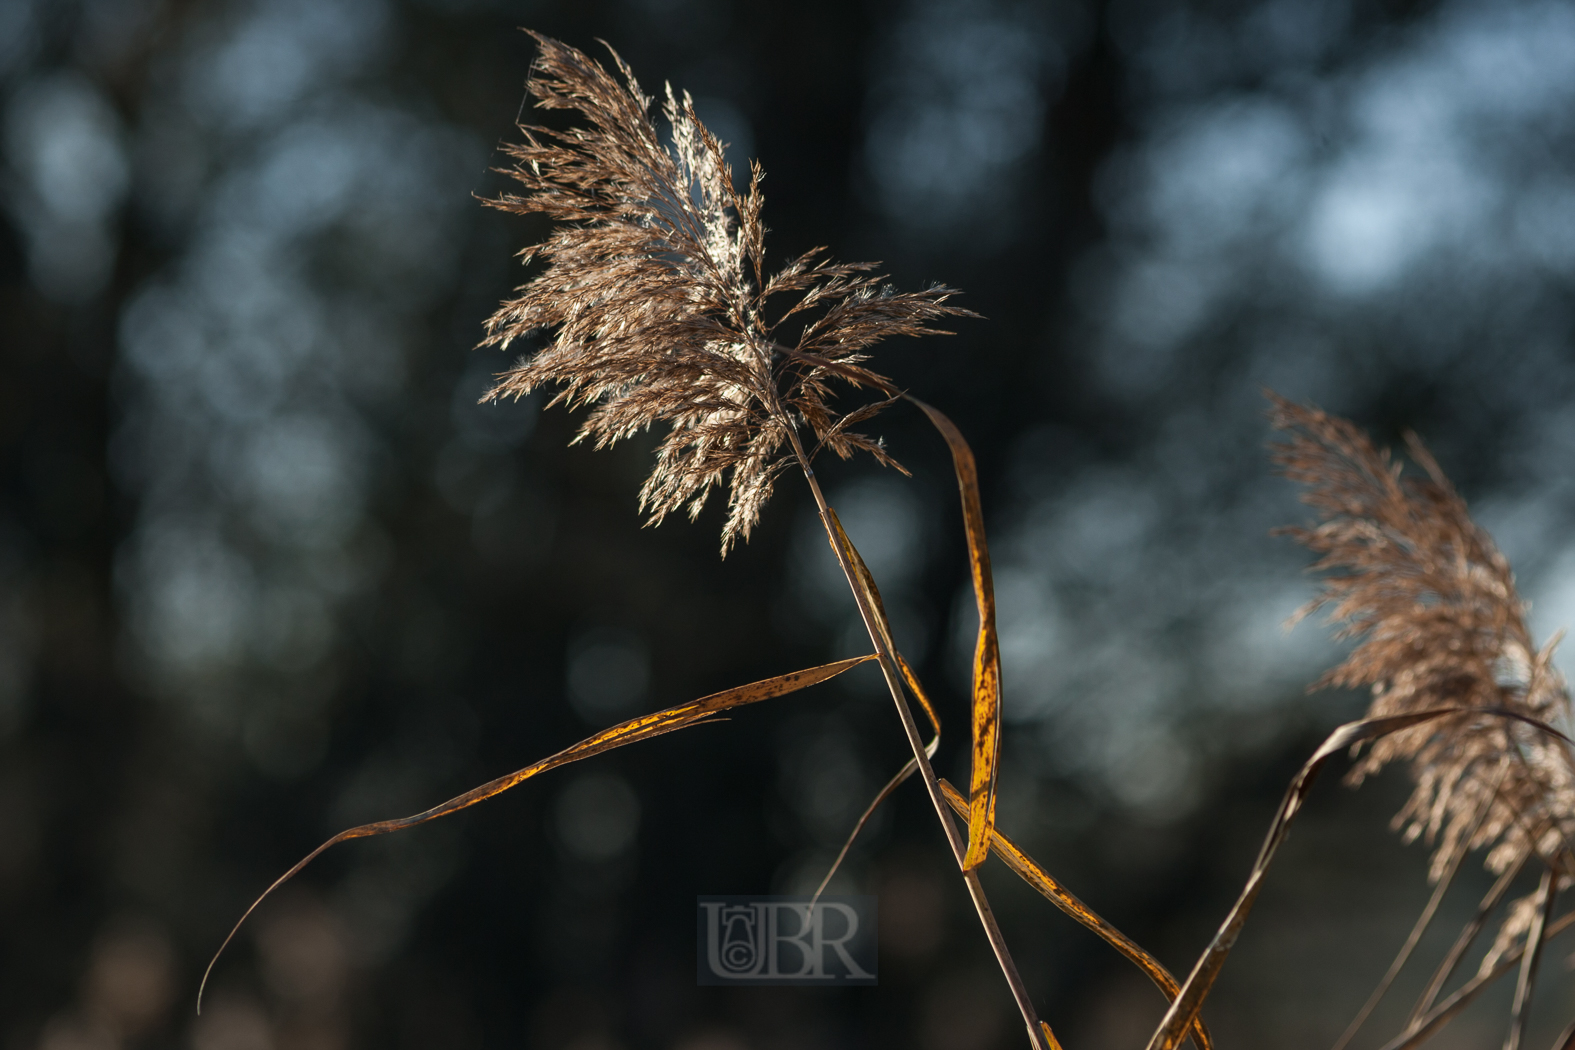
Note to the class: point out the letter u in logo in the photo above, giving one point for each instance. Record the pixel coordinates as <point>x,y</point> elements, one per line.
<point>735,939</point>
<point>740,947</point>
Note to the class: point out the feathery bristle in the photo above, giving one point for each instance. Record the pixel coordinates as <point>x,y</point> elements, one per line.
<point>656,297</point>
<point>1440,624</point>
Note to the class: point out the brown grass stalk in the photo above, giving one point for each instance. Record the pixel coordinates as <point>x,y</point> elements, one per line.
<point>1431,1023</point>
<point>1422,923</point>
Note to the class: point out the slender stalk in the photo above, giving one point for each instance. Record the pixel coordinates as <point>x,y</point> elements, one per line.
<point>1426,918</point>
<point>959,846</point>
<point>1422,923</point>
<point>1528,967</point>
<point>1441,1014</point>
<point>1462,944</point>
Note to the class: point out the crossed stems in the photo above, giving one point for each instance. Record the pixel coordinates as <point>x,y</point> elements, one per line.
<point>1038,1034</point>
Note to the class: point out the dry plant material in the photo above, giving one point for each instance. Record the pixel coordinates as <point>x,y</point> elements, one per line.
<point>645,727</point>
<point>1440,624</point>
<point>987,650</point>
<point>1033,873</point>
<point>1418,928</point>
<point>655,307</point>
<point>1458,690</point>
<point>1200,982</point>
<point>661,309</point>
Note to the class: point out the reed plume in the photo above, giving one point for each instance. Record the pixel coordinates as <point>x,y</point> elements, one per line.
<point>1440,624</point>
<point>661,310</point>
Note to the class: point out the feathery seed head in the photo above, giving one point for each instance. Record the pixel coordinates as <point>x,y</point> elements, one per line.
<point>659,306</point>
<point>1440,624</point>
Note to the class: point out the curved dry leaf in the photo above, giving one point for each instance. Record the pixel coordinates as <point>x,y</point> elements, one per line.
<point>864,580</point>
<point>1031,872</point>
<point>635,729</point>
<point>987,651</point>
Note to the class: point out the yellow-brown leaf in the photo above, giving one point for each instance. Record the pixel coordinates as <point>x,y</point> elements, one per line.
<point>987,651</point>
<point>643,728</point>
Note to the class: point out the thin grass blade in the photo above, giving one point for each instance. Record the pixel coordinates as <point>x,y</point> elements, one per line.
<point>1445,1011</point>
<point>987,651</point>
<point>636,729</point>
<point>908,769</point>
<point>1457,951</point>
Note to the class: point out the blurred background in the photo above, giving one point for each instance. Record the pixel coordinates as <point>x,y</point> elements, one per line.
<point>267,570</point>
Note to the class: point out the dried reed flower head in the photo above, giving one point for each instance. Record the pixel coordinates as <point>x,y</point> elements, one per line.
<point>1441,626</point>
<point>656,296</point>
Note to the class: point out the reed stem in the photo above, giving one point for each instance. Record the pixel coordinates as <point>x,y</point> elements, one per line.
<point>1037,1033</point>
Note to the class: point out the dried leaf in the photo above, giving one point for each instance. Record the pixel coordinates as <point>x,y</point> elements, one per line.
<point>987,651</point>
<point>643,728</point>
<point>865,582</point>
